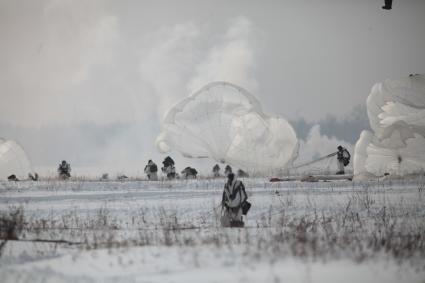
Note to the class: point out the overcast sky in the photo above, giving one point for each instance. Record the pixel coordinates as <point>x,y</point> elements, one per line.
<point>68,62</point>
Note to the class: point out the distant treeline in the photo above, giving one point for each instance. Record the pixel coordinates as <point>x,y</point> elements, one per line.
<point>87,143</point>
<point>347,128</point>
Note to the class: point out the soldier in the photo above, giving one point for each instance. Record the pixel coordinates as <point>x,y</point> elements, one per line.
<point>234,202</point>
<point>343,157</point>
<point>189,172</point>
<point>216,171</point>
<point>169,168</point>
<point>64,170</point>
<point>151,170</point>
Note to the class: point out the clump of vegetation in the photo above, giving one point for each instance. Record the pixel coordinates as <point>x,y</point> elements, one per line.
<point>11,223</point>
<point>365,224</point>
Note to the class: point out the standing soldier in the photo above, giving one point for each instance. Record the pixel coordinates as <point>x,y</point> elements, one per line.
<point>64,170</point>
<point>169,168</point>
<point>234,203</point>
<point>343,157</point>
<point>216,171</point>
<point>151,171</point>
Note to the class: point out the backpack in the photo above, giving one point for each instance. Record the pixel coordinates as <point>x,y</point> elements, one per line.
<point>168,161</point>
<point>346,159</point>
<point>154,168</point>
<point>246,205</point>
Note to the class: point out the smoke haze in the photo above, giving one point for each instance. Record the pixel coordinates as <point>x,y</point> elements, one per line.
<point>90,81</point>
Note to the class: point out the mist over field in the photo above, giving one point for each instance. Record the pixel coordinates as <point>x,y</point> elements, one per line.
<point>90,82</point>
<point>119,147</point>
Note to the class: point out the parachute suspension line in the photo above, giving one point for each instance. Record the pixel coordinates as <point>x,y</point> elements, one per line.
<point>318,166</point>
<point>314,161</point>
<point>212,127</point>
<point>223,135</point>
<point>227,147</point>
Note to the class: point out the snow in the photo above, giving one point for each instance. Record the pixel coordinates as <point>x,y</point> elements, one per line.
<point>173,264</point>
<point>167,231</point>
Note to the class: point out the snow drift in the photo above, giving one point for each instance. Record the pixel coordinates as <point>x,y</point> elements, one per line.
<point>396,111</point>
<point>226,123</point>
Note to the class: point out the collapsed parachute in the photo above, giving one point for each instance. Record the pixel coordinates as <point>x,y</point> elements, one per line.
<point>224,122</point>
<point>13,160</point>
<point>396,111</point>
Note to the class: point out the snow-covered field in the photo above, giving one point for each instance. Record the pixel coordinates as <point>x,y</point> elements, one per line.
<point>140,231</point>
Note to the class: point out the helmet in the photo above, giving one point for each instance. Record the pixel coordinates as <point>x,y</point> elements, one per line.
<point>231,176</point>
<point>339,147</point>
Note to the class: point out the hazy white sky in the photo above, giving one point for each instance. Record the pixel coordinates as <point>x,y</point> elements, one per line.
<point>67,62</point>
<point>70,61</point>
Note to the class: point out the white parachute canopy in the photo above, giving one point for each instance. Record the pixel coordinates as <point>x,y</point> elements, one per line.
<point>396,110</point>
<point>13,160</point>
<point>224,122</point>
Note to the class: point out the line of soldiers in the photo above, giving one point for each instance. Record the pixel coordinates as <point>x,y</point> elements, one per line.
<point>227,170</point>
<point>151,170</point>
<point>169,169</point>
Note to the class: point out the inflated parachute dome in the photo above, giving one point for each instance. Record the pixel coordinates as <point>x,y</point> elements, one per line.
<point>226,123</point>
<point>396,110</point>
<point>13,160</point>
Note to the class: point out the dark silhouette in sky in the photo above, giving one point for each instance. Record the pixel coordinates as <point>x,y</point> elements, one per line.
<point>388,5</point>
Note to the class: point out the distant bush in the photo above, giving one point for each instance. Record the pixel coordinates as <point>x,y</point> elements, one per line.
<point>11,224</point>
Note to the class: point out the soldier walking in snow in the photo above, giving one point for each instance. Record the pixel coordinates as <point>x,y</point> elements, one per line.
<point>234,203</point>
<point>151,170</point>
